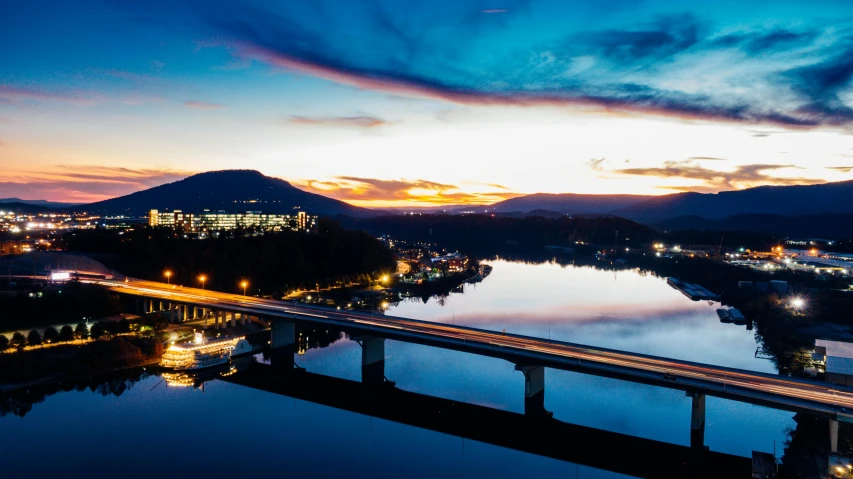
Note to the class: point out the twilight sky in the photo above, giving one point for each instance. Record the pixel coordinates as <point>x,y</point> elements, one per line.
<point>421,102</point>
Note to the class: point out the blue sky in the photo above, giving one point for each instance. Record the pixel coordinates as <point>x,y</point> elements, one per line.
<point>395,103</point>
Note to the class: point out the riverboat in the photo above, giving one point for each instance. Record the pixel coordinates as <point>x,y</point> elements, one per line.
<point>202,353</point>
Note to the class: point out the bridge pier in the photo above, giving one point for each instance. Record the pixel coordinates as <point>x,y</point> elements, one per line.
<point>697,422</point>
<point>233,319</point>
<point>195,312</point>
<point>534,390</point>
<point>833,436</point>
<point>282,345</point>
<point>372,360</point>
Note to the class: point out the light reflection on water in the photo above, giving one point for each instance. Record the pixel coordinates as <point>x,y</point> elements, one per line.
<point>619,310</point>
<point>227,423</point>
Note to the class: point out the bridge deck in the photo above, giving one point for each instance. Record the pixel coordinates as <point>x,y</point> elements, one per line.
<point>792,394</point>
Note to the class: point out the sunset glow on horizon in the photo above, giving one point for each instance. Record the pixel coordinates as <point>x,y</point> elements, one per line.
<point>381,104</point>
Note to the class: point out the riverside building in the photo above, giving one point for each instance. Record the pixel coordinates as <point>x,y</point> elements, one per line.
<point>221,220</point>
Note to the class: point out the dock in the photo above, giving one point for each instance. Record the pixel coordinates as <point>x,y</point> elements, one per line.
<point>693,291</point>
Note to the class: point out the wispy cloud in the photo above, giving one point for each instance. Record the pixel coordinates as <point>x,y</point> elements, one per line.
<point>15,94</point>
<point>202,105</point>
<point>340,121</point>
<point>379,192</point>
<point>842,169</point>
<point>743,176</point>
<point>643,66</point>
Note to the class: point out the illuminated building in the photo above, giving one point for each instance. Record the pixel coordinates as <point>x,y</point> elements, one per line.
<point>222,220</point>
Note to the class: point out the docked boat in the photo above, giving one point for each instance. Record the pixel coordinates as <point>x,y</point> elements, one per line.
<point>202,353</point>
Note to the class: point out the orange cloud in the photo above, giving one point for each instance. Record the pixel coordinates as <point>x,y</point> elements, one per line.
<point>85,184</point>
<point>370,192</point>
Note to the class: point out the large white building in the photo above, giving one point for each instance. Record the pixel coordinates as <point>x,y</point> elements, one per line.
<point>220,220</point>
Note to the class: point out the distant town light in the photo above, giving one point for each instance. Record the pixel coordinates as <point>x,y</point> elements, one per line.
<point>797,303</point>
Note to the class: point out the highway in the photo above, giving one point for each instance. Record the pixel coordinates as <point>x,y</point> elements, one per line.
<point>793,394</point>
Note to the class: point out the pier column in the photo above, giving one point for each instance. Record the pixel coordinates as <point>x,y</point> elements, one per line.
<point>372,360</point>
<point>243,317</point>
<point>161,306</point>
<point>195,312</point>
<point>184,312</point>
<point>282,345</point>
<point>697,421</point>
<point>833,436</point>
<point>233,319</point>
<point>534,390</point>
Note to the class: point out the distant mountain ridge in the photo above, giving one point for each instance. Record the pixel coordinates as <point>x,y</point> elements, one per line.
<point>229,190</point>
<point>44,203</point>
<point>827,198</point>
<point>568,203</point>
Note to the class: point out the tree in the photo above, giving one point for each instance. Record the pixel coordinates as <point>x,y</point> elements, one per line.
<point>81,331</point>
<point>4,342</point>
<point>66,333</point>
<point>98,330</point>
<point>18,340</point>
<point>51,335</point>
<point>34,338</point>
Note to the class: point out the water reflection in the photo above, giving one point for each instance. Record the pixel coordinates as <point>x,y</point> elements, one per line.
<point>607,308</point>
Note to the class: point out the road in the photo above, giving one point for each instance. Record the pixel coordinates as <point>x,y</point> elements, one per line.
<point>792,394</point>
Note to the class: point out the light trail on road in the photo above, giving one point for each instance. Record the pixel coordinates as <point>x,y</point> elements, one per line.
<point>759,388</point>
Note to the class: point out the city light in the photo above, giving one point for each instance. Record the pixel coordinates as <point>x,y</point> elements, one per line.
<point>244,284</point>
<point>384,278</point>
<point>168,275</point>
<point>202,278</point>
<point>797,303</point>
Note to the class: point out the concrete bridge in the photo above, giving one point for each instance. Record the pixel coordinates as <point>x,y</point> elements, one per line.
<point>530,355</point>
<point>547,437</point>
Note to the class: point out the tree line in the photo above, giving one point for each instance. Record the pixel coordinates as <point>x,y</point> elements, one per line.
<point>271,262</point>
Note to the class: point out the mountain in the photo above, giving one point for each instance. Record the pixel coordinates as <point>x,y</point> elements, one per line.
<point>19,207</point>
<point>807,226</point>
<point>229,190</point>
<point>827,198</point>
<point>45,203</point>
<point>568,203</point>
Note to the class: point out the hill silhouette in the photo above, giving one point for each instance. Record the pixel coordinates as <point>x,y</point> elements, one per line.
<point>827,198</point>
<point>568,203</point>
<point>229,190</point>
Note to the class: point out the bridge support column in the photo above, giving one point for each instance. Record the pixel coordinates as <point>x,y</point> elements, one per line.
<point>184,312</point>
<point>195,312</point>
<point>282,345</point>
<point>372,360</point>
<point>243,319</point>
<point>833,436</point>
<point>173,315</point>
<point>233,319</point>
<point>161,306</point>
<point>534,390</point>
<point>697,422</point>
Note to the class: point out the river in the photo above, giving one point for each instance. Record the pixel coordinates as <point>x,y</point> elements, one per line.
<point>226,430</point>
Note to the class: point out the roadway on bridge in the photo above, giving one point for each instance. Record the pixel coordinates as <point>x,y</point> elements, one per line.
<point>760,388</point>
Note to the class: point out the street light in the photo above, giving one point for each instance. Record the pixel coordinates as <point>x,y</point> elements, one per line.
<point>384,278</point>
<point>202,278</point>
<point>244,283</point>
<point>168,275</point>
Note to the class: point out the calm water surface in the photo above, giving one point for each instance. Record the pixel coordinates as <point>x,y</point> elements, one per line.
<point>230,430</point>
